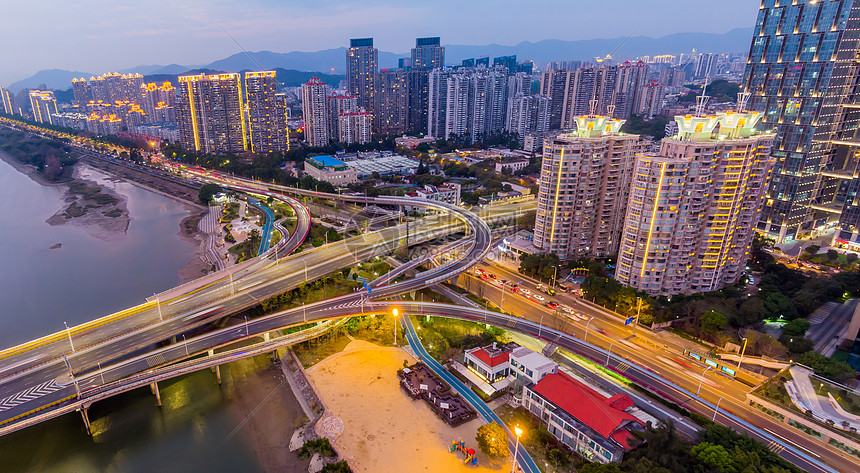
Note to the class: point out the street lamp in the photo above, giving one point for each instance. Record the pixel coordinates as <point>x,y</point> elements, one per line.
<point>702,380</point>
<point>158,304</point>
<point>586,329</point>
<point>69,332</point>
<point>742,353</point>
<point>540,324</point>
<point>395,326</point>
<point>519,432</point>
<point>608,353</point>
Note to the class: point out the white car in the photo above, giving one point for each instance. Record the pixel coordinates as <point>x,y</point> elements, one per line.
<point>539,297</point>
<point>526,291</point>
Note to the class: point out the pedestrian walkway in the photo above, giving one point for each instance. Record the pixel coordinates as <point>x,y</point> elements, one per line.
<point>524,460</point>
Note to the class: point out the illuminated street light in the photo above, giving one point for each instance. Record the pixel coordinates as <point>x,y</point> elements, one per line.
<point>395,326</point>
<point>519,432</point>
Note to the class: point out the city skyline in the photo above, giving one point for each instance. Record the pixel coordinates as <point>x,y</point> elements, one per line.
<point>197,33</point>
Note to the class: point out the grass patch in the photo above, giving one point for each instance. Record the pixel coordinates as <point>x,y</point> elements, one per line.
<point>276,237</point>
<point>445,339</point>
<point>230,212</point>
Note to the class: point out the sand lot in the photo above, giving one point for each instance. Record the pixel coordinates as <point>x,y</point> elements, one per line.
<point>384,429</point>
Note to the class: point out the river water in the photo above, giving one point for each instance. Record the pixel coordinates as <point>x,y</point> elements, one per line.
<point>88,278</point>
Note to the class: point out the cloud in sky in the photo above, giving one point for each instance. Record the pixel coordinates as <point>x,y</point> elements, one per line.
<point>101,35</point>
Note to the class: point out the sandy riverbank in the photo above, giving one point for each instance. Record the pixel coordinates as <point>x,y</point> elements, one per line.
<point>384,429</point>
<point>95,208</point>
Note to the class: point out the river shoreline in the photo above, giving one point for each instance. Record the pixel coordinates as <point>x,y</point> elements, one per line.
<point>262,409</point>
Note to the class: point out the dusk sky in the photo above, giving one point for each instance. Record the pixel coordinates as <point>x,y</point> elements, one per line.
<point>98,36</point>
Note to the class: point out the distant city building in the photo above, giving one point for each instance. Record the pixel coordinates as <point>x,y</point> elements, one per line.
<point>693,207</point>
<point>81,92</point>
<point>355,127</point>
<point>391,110</point>
<point>592,425</point>
<point>428,54</point>
<point>584,185</point>
<point>509,62</point>
<point>630,89</point>
<point>528,114</point>
<point>362,64</point>
<point>210,112</point>
<point>7,102</point>
<point>44,106</point>
<point>412,142</point>
<point>263,122</point>
<point>314,113</point>
<point>553,84</point>
<point>110,87</point>
<point>158,101</point>
<point>329,169</point>
<point>651,102</point>
<point>467,103</point>
<point>706,65</point>
<point>339,104</point>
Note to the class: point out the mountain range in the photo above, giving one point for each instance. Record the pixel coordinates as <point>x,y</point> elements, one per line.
<point>333,61</point>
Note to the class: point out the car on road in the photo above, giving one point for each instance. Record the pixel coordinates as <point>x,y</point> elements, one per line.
<point>526,291</point>
<point>539,297</point>
<point>552,305</point>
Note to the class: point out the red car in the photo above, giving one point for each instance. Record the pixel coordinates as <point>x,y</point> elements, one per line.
<point>552,305</point>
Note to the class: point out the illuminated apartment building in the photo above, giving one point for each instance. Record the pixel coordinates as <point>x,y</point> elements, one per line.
<point>158,101</point>
<point>210,113</point>
<point>585,180</point>
<point>260,94</point>
<point>354,127</point>
<point>81,91</point>
<point>362,61</point>
<point>44,106</point>
<point>111,87</point>
<point>314,113</point>
<point>694,206</point>
<point>7,101</point>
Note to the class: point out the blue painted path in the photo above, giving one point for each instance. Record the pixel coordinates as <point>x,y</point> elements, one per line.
<point>266,234</point>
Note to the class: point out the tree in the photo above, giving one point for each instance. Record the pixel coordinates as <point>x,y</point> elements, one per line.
<point>851,257</point>
<point>812,250</point>
<point>832,255</point>
<point>715,456</point>
<point>493,440</point>
<point>712,322</point>
<point>796,328</point>
<point>600,468</point>
<point>207,192</point>
<point>527,220</point>
<point>827,367</point>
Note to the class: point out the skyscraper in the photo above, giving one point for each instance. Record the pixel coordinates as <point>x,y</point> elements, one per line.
<point>470,104</point>
<point>110,87</point>
<point>158,101</point>
<point>553,84</point>
<point>428,54</point>
<point>339,104</point>
<point>81,92</point>
<point>528,114</point>
<point>693,206</point>
<point>263,122</point>
<point>583,87</point>
<point>354,127</point>
<point>314,113</point>
<point>630,88</point>
<point>362,64</point>
<point>44,106</point>
<point>211,113</point>
<point>788,72</point>
<point>7,101</point>
<point>391,110</point>
<point>584,185</point>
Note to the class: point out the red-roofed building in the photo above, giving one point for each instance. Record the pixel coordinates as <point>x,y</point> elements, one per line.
<point>489,362</point>
<point>588,422</point>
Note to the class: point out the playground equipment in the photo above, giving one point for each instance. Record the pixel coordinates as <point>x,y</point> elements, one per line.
<point>471,456</point>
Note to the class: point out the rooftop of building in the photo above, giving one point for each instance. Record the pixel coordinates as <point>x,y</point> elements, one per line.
<point>493,355</point>
<point>327,161</point>
<point>532,359</point>
<point>604,415</point>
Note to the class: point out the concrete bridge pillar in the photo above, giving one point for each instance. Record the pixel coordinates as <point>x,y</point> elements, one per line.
<point>218,373</point>
<point>86,420</point>
<point>266,337</point>
<point>157,393</point>
<point>212,353</point>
